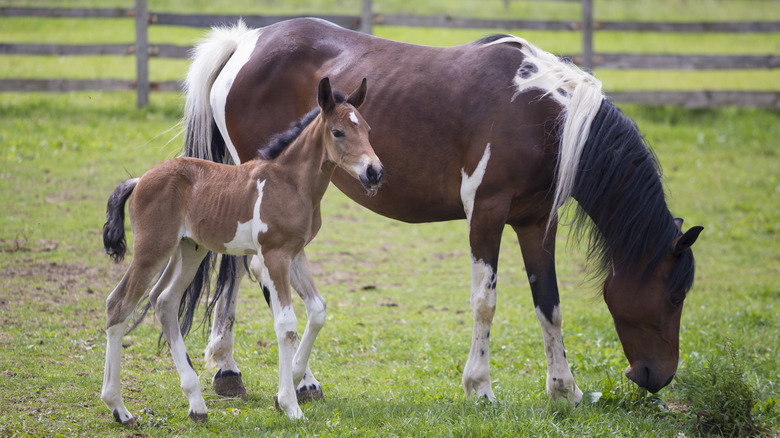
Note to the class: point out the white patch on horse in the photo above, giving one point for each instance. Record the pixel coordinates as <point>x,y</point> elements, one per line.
<point>224,81</point>
<point>353,118</point>
<point>560,382</point>
<point>469,184</point>
<point>476,373</point>
<point>247,233</point>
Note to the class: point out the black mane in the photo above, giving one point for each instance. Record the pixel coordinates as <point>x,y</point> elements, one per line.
<point>279,142</point>
<point>491,38</point>
<point>618,186</point>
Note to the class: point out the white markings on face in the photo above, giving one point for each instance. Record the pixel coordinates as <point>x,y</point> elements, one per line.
<point>247,233</point>
<point>224,81</point>
<point>469,184</point>
<point>353,118</point>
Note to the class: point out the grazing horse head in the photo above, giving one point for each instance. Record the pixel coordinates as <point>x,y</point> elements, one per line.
<point>347,145</point>
<point>647,312</point>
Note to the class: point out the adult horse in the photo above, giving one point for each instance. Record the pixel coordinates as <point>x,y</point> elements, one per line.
<point>497,132</point>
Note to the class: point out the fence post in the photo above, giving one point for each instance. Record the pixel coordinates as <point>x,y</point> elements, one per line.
<point>142,52</point>
<point>366,18</point>
<point>587,34</point>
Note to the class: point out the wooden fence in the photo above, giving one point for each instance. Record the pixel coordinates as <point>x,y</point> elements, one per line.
<point>142,49</point>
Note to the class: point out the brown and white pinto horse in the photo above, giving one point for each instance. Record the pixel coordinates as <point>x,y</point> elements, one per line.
<point>183,208</point>
<point>497,132</point>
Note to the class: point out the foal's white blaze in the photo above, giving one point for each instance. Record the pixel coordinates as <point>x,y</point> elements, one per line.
<point>353,118</point>
<point>245,239</point>
<point>469,184</point>
<point>560,382</point>
<point>224,81</point>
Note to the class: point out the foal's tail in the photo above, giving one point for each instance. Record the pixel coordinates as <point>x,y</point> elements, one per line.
<point>201,136</point>
<point>114,229</point>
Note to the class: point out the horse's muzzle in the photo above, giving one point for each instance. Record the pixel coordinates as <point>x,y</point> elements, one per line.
<point>372,178</point>
<point>647,378</point>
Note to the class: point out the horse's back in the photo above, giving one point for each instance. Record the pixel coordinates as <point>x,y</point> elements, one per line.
<point>433,111</point>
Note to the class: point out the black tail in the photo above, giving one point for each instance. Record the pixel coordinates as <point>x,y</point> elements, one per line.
<point>114,229</point>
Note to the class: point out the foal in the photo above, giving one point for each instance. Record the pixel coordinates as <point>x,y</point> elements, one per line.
<point>268,207</point>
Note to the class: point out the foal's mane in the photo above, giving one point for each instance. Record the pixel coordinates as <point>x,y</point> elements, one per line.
<point>622,206</point>
<point>279,142</point>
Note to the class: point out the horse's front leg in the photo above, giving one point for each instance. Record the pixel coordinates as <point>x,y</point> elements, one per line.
<point>539,257</point>
<point>227,382</point>
<point>272,270</point>
<point>486,219</point>
<point>308,388</point>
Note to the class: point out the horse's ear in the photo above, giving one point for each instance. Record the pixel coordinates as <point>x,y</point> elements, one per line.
<point>686,240</point>
<point>678,221</point>
<point>358,96</point>
<point>325,96</point>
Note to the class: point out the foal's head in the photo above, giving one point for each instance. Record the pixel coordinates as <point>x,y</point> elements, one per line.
<point>346,140</point>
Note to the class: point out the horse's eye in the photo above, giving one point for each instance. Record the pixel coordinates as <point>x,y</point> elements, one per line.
<point>337,133</point>
<point>676,299</point>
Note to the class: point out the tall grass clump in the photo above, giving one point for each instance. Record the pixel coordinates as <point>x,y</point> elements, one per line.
<point>721,401</point>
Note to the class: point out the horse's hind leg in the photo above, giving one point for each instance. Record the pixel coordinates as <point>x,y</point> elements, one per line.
<point>119,308</point>
<point>539,258</point>
<point>165,297</point>
<point>227,381</point>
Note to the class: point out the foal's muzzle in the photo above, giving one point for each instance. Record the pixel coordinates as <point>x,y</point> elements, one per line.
<point>372,178</point>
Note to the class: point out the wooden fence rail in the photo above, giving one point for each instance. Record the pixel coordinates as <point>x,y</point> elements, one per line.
<point>142,49</point>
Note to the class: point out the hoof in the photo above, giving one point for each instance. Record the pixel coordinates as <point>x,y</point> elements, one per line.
<point>199,418</point>
<point>129,422</point>
<point>307,395</point>
<point>229,384</point>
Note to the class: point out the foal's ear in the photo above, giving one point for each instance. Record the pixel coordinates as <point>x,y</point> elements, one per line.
<point>358,96</point>
<point>686,240</point>
<point>325,96</point>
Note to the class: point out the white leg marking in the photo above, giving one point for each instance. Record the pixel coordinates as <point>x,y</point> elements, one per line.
<point>469,184</point>
<point>476,373</point>
<point>245,239</point>
<point>111,392</point>
<point>302,281</point>
<point>560,382</point>
<point>224,81</point>
<point>286,328</point>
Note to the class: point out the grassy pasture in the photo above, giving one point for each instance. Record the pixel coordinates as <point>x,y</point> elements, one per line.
<point>399,323</point>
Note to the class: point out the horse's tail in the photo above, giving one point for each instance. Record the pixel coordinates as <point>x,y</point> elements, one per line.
<point>201,137</point>
<point>577,117</point>
<point>114,229</point>
<point>203,140</point>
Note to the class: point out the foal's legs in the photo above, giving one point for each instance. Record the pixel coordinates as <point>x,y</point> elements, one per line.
<point>165,297</point>
<point>303,283</point>
<point>227,381</point>
<point>273,272</point>
<point>119,308</point>
<point>539,257</point>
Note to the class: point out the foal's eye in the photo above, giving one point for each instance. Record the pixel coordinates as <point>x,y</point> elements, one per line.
<point>337,133</point>
<point>676,299</point>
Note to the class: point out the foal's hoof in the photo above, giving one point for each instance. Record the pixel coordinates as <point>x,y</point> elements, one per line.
<point>128,422</point>
<point>304,396</point>
<point>199,418</point>
<point>229,384</point>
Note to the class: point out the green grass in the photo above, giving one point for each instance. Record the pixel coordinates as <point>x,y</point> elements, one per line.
<point>399,323</point>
